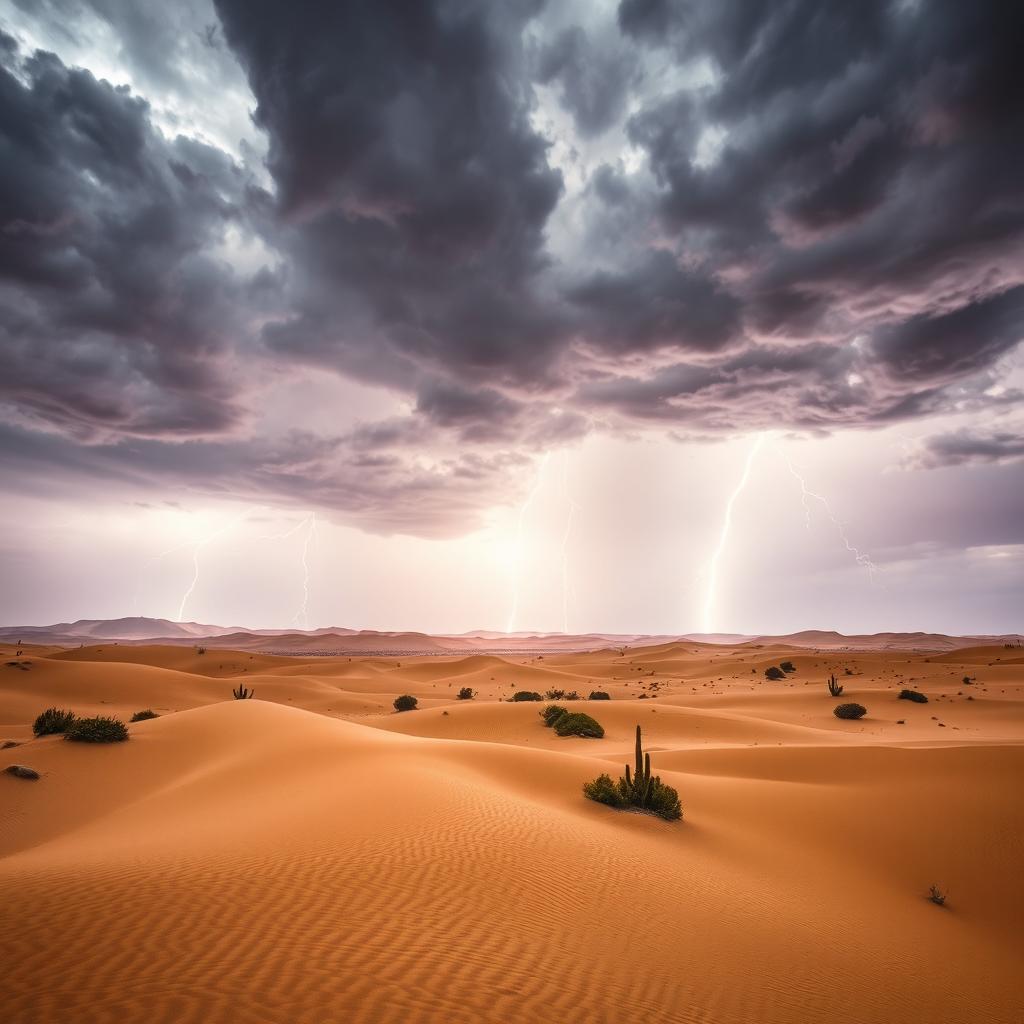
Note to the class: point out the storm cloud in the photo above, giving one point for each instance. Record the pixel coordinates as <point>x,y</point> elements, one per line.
<point>524,225</point>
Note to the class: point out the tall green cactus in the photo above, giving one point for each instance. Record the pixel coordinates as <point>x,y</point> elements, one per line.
<point>639,783</point>
<point>241,693</point>
<point>834,687</point>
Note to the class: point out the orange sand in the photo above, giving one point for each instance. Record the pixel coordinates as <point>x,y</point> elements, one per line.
<point>310,856</point>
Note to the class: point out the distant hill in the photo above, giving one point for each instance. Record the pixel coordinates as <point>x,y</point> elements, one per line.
<point>341,640</point>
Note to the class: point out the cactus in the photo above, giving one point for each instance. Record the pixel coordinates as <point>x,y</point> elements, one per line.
<point>241,693</point>
<point>834,687</point>
<point>638,788</point>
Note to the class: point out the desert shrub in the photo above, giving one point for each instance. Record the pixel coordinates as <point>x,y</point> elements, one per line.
<point>967,680</point>
<point>640,789</point>
<point>554,695</point>
<point>143,716</point>
<point>200,650</point>
<point>466,693</point>
<point>936,895</point>
<point>96,730</point>
<point>552,713</point>
<point>917,698</point>
<point>578,724</point>
<point>53,720</point>
<point>850,711</point>
<point>598,695</point>
<point>774,673</point>
<point>787,666</point>
<point>573,695</point>
<point>521,695</point>
<point>405,703</point>
<point>241,692</point>
<point>604,791</point>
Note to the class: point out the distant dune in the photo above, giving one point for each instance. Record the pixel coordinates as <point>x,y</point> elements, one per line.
<point>340,640</point>
<point>310,856</point>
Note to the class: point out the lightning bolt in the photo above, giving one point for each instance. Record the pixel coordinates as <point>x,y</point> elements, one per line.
<point>572,509</point>
<point>709,594</point>
<point>196,548</point>
<point>309,522</point>
<point>805,494</point>
<point>514,611</point>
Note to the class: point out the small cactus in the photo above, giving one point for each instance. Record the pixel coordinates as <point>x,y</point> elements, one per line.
<point>242,693</point>
<point>936,895</point>
<point>834,687</point>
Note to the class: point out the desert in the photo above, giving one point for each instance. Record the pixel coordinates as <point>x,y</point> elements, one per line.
<point>310,854</point>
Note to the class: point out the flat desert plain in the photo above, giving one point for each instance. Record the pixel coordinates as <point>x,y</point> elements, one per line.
<point>310,855</point>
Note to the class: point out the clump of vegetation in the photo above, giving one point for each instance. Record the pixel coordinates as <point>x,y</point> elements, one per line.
<point>521,695</point>
<point>97,730</point>
<point>53,720</point>
<point>405,703</point>
<point>554,695</point>
<point>917,698</point>
<point>200,650</point>
<point>834,687</point>
<point>967,680</point>
<point>144,716</point>
<point>640,789</point>
<point>936,895</point>
<point>571,723</point>
<point>850,711</point>
<point>241,693</point>
<point>774,673</point>
<point>466,693</point>
<point>787,666</point>
<point>598,695</point>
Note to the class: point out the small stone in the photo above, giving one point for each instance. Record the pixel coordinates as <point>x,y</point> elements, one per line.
<point>21,771</point>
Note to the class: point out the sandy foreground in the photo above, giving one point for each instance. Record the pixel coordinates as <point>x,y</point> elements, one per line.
<point>311,856</point>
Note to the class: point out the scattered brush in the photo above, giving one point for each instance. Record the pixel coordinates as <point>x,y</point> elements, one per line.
<point>850,711</point>
<point>521,695</point>
<point>97,730</point>
<point>774,673</point>
<point>599,695</point>
<point>917,698</point>
<point>571,723</point>
<point>144,716</point>
<point>466,693</point>
<point>405,703</point>
<point>787,666</point>
<point>52,721</point>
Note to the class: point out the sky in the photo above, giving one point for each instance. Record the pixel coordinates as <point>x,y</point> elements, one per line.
<point>644,317</point>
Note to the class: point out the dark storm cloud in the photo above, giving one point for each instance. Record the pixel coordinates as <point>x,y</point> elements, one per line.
<point>819,224</point>
<point>970,446</point>
<point>113,314</point>
<point>592,76</point>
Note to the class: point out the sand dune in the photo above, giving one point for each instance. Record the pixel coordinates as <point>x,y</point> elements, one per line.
<point>310,856</point>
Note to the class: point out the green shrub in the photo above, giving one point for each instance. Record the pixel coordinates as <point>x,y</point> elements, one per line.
<point>598,695</point>
<point>552,713</point>
<point>53,720</point>
<point>917,698</point>
<point>466,693</point>
<point>774,673</point>
<point>604,791</point>
<point>554,695</point>
<point>521,695</point>
<point>97,730</point>
<point>641,789</point>
<point>143,716</point>
<point>850,711</point>
<point>405,703</point>
<point>578,724</point>
<point>787,666</point>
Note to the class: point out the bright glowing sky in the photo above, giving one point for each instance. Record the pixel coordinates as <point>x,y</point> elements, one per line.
<point>507,300</point>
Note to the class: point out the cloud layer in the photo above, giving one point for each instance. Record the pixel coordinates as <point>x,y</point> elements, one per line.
<point>521,224</point>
